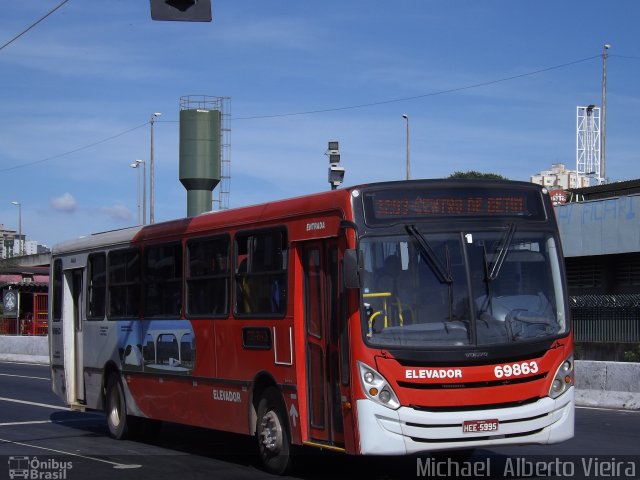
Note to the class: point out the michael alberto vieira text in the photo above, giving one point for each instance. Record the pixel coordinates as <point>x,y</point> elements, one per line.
<point>593,467</point>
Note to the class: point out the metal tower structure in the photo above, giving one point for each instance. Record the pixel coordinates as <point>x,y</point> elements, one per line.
<point>222,105</point>
<point>588,143</point>
<point>224,190</point>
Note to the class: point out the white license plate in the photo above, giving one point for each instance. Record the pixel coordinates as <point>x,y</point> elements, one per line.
<point>479,426</point>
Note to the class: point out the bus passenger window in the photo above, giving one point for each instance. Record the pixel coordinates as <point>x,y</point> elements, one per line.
<point>97,286</point>
<point>124,283</point>
<point>208,277</point>
<point>261,273</point>
<point>163,280</point>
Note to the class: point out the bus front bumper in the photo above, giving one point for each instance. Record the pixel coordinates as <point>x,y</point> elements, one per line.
<point>406,431</point>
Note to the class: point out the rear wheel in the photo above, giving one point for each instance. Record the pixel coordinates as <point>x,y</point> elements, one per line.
<point>116,408</point>
<point>272,433</point>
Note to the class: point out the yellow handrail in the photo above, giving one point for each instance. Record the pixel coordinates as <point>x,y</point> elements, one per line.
<point>385,308</point>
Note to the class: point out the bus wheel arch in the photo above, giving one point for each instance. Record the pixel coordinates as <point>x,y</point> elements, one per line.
<point>109,369</point>
<point>261,383</point>
<point>272,432</point>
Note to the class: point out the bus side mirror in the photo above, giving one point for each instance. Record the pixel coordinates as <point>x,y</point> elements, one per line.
<point>351,271</point>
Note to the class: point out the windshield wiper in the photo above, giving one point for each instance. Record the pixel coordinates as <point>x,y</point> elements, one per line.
<point>444,275</point>
<point>503,249</point>
<point>443,272</point>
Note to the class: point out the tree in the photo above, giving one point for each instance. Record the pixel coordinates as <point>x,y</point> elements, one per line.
<point>476,174</point>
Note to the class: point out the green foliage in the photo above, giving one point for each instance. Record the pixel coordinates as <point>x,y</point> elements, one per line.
<point>476,174</point>
<point>578,352</point>
<point>8,262</point>
<point>632,355</point>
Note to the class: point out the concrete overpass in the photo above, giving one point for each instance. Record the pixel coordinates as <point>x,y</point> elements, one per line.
<point>37,260</point>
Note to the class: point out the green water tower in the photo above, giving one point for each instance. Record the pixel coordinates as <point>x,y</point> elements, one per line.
<point>200,150</point>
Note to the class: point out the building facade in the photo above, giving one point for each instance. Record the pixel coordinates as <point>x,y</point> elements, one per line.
<point>12,244</point>
<point>600,232</point>
<point>560,176</point>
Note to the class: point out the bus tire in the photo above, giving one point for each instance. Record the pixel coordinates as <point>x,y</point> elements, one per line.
<point>272,433</point>
<point>116,409</point>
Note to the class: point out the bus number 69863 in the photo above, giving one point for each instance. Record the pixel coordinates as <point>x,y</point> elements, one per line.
<point>515,369</point>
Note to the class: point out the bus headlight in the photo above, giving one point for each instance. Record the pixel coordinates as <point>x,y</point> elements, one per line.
<point>376,387</point>
<point>563,379</point>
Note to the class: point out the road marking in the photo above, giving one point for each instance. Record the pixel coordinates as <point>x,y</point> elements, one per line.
<point>35,404</point>
<point>24,363</point>
<point>39,422</point>
<point>24,376</point>
<point>33,422</point>
<point>120,466</point>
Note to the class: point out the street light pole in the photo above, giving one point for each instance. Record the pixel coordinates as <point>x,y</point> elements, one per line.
<point>152,171</point>
<point>135,165</point>
<point>602,178</point>
<point>19,205</point>
<point>408,167</point>
<point>144,190</point>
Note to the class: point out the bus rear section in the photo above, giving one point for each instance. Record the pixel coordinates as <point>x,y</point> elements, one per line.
<point>465,336</point>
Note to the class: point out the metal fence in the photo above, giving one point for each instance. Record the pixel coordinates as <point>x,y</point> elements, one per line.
<point>606,318</point>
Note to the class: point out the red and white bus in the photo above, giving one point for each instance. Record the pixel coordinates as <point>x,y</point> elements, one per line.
<point>388,319</point>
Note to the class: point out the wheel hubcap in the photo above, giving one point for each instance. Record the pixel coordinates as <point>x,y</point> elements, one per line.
<point>271,433</point>
<point>114,411</point>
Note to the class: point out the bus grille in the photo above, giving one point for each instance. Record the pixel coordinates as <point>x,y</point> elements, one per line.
<point>468,408</point>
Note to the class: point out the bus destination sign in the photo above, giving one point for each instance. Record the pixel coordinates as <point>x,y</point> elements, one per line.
<point>385,205</point>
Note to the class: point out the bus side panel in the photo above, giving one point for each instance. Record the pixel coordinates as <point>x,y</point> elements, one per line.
<point>243,362</point>
<point>199,402</point>
<point>101,347</point>
<point>56,355</point>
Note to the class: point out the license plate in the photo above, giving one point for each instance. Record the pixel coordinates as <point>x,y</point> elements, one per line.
<point>479,426</point>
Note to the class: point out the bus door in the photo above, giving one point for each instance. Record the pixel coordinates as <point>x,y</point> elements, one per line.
<point>72,328</point>
<point>322,331</point>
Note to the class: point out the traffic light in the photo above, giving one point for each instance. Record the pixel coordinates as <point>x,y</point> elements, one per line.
<point>181,10</point>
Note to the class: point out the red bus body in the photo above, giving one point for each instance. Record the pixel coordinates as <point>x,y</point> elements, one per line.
<point>309,360</point>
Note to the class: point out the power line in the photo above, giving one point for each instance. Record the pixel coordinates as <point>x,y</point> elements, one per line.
<point>415,97</point>
<point>32,25</point>
<point>326,110</point>
<point>79,149</point>
<point>624,56</point>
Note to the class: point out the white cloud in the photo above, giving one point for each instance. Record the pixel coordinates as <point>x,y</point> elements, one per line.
<point>65,203</point>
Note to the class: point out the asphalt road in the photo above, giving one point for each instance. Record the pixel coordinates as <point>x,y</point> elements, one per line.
<point>38,433</point>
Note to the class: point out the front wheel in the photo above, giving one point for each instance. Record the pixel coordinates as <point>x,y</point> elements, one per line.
<point>272,433</point>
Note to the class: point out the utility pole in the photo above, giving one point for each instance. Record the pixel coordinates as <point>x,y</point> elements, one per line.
<point>603,177</point>
<point>408,166</point>
<point>152,172</point>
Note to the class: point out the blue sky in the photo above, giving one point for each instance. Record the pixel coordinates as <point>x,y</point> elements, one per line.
<point>95,69</point>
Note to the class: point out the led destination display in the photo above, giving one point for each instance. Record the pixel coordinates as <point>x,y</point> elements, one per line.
<point>384,205</point>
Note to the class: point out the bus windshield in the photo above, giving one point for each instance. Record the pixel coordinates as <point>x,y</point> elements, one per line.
<point>464,288</point>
